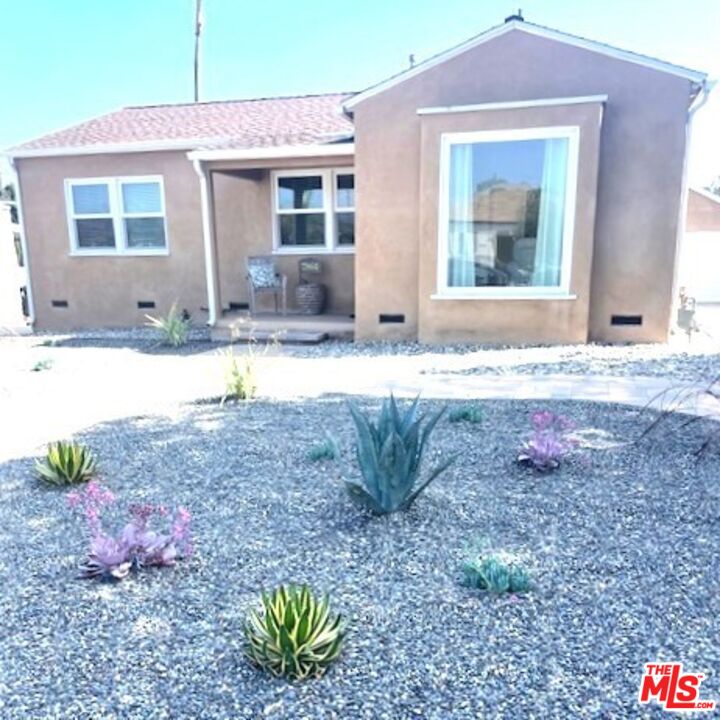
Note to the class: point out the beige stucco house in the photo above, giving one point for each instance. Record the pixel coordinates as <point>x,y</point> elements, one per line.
<point>524,186</point>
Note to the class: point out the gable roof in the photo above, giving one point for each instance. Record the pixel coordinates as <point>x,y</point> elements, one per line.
<point>532,29</point>
<point>239,124</point>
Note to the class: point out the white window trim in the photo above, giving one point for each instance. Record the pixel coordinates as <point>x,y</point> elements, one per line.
<point>562,292</point>
<point>116,214</point>
<point>329,209</point>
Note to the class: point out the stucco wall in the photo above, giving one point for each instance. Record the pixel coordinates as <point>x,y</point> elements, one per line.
<point>104,291</point>
<point>642,146</point>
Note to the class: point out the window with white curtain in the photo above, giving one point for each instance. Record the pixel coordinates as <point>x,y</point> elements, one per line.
<point>314,210</point>
<point>116,216</point>
<point>506,212</point>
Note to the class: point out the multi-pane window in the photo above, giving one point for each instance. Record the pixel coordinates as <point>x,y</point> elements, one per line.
<point>507,208</point>
<point>314,210</point>
<point>117,216</point>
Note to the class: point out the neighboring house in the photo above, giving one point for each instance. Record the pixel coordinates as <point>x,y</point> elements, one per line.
<point>700,249</point>
<point>13,279</point>
<point>524,186</point>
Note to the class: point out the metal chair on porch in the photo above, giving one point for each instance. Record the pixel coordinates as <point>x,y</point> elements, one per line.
<point>263,277</point>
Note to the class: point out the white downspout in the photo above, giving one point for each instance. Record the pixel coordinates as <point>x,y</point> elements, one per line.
<point>208,241</point>
<point>23,242</point>
<point>703,94</point>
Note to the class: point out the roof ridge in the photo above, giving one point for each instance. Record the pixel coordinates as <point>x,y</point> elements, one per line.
<point>240,100</point>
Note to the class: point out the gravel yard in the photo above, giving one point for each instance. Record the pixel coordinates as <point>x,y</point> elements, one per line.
<point>621,543</point>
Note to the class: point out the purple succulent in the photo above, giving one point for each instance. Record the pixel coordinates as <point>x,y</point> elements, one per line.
<point>136,546</point>
<point>549,442</point>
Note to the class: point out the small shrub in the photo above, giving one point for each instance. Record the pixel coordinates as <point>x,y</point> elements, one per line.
<point>173,328</point>
<point>112,557</point>
<point>295,635</point>
<point>466,413</point>
<point>390,456</point>
<point>494,574</point>
<point>328,449</point>
<point>549,443</point>
<point>41,365</point>
<point>66,464</point>
<point>240,376</point>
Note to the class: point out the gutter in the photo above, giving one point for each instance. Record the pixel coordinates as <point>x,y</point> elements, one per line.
<point>208,240</point>
<point>23,243</point>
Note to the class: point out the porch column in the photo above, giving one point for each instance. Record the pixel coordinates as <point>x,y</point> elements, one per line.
<point>207,204</point>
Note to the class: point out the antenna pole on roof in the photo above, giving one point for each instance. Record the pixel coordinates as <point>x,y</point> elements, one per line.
<point>198,31</point>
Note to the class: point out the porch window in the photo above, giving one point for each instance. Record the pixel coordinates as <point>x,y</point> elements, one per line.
<point>345,209</point>
<point>506,213</point>
<point>314,211</point>
<point>116,216</point>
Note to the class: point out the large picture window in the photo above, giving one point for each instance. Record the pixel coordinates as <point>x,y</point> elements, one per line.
<point>314,211</point>
<point>115,216</point>
<point>506,212</point>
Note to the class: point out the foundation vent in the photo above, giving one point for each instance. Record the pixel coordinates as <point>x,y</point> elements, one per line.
<point>383,319</point>
<point>146,304</point>
<point>59,303</point>
<point>626,320</point>
<point>238,306</point>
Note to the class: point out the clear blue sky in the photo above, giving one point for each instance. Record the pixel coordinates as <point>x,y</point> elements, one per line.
<point>65,61</point>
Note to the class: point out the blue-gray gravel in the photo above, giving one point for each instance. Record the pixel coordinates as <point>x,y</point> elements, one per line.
<point>622,544</point>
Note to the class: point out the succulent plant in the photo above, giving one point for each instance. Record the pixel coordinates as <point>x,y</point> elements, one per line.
<point>173,328</point>
<point>549,443</point>
<point>390,456</point>
<point>295,635</point>
<point>66,464</point>
<point>328,449</point>
<point>494,574</point>
<point>471,413</point>
<point>112,557</point>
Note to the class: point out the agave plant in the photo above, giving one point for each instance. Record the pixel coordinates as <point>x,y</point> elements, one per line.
<point>66,464</point>
<point>495,574</point>
<point>173,328</point>
<point>390,456</point>
<point>295,635</point>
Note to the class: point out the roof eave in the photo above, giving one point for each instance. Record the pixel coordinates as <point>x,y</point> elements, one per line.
<point>106,148</point>
<point>346,149</point>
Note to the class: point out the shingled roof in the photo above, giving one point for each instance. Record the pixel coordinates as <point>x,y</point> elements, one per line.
<point>265,122</point>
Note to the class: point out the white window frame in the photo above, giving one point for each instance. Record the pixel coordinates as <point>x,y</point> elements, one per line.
<point>116,214</point>
<point>447,140</point>
<point>329,210</point>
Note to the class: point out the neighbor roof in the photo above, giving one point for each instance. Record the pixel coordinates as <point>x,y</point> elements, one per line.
<point>241,124</point>
<point>532,29</point>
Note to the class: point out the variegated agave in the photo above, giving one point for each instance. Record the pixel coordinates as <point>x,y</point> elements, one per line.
<point>295,635</point>
<point>66,464</point>
<point>390,455</point>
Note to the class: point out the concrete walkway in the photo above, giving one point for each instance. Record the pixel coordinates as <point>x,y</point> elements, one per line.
<point>87,386</point>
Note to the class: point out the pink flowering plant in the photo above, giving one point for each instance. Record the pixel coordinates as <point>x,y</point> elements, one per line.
<point>549,443</point>
<point>137,545</point>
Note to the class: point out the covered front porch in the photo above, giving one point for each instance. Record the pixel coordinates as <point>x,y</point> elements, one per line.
<point>291,211</point>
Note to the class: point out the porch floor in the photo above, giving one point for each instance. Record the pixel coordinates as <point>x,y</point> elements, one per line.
<point>291,328</point>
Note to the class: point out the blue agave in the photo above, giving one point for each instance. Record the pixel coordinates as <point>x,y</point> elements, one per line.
<point>390,455</point>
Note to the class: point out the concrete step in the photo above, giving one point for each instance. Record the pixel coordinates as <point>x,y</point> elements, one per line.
<point>289,337</point>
